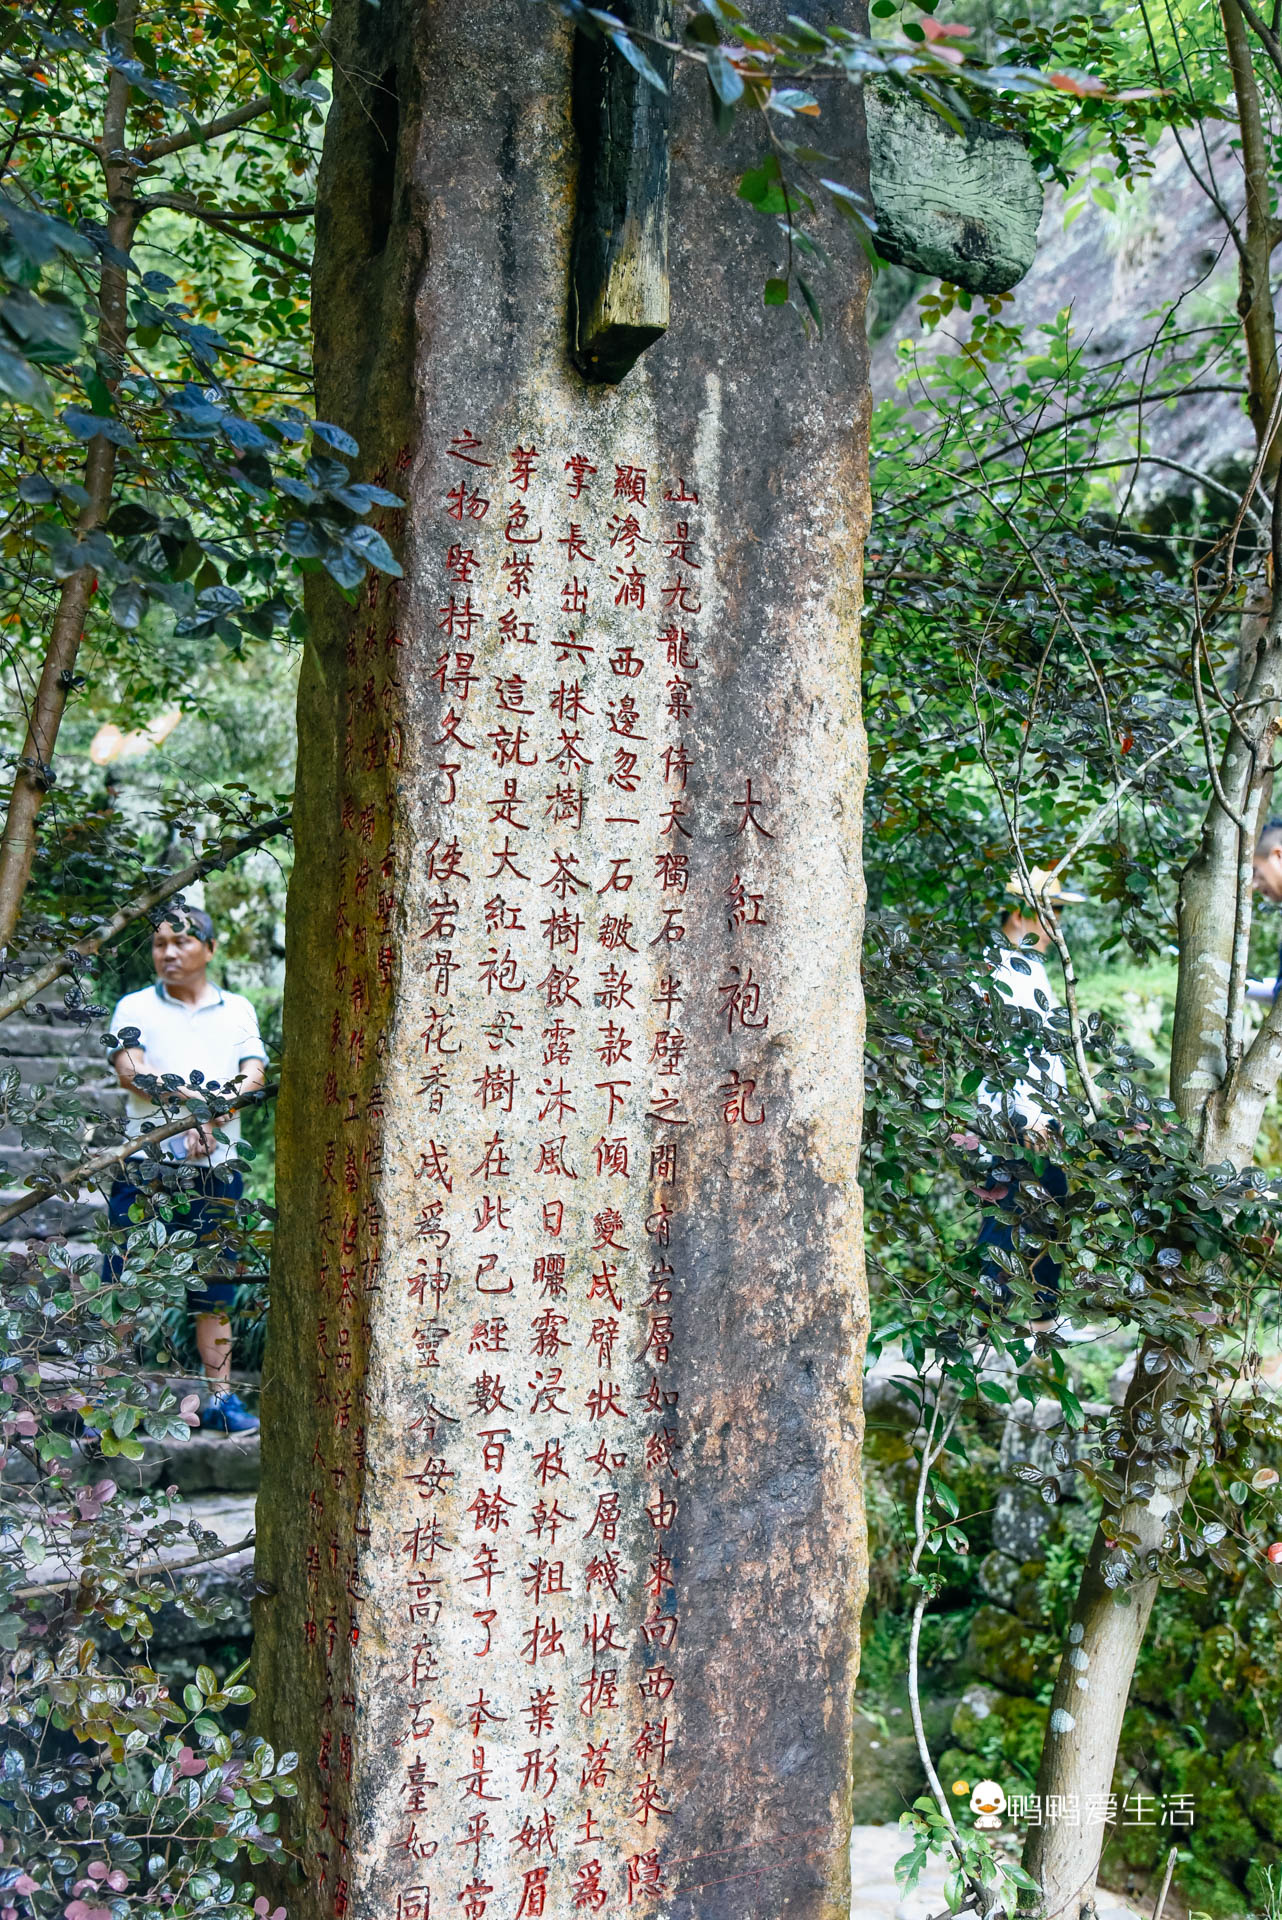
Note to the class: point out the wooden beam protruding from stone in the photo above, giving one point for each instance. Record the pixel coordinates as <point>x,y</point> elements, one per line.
<point>619,268</point>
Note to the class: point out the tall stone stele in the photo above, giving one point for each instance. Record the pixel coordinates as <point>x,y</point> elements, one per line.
<point>560,1541</point>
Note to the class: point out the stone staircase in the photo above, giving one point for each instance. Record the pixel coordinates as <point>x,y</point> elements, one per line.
<point>213,1479</point>
<point>214,1476</point>
<point>63,1063</point>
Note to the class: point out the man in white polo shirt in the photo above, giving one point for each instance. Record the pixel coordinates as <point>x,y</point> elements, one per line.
<point>1019,974</point>
<point>186,1026</point>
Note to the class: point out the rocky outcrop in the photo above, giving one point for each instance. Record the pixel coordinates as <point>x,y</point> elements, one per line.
<point>962,204</point>
<point>1118,272</point>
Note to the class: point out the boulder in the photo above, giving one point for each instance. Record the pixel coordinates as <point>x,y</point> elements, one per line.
<point>964,205</point>
<point>886,1776</point>
<point>1016,1587</point>
<point>993,1724</point>
<point>1002,1649</point>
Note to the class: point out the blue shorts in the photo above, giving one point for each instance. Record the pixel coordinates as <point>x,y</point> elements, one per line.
<point>202,1212</point>
<point>996,1232</point>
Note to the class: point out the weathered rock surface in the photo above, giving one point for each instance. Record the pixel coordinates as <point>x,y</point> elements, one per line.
<point>888,1774</point>
<point>561,1509</point>
<point>220,1581</point>
<point>225,1584</point>
<point>1115,271</point>
<point>963,207</point>
<point>206,1463</point>
<point>1022,1516</point>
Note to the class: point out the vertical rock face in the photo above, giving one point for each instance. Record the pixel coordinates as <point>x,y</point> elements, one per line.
<point>561,1526</point>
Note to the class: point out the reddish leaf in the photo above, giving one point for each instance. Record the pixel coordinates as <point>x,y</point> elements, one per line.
<point>1082,84</point>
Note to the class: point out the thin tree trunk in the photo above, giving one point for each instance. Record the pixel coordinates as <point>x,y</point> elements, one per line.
<point>1104,1640</point>
<point>1220,1088</point>
<point>1215,899</point>
<point>1255,293</point>
<point>1223,1098</point>
<point>1221,1093</point>
<point>33,775</point>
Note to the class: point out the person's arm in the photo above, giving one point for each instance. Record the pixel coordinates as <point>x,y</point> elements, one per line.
<point>129,1063</point>
<point>200,1140</point>
<point>253,1054</point>
<point>251,1074</point>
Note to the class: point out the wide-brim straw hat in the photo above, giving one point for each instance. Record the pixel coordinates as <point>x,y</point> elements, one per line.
<point>1046,887</point>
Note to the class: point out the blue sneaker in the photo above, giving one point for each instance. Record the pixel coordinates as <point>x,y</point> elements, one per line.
<point>227,1413</point>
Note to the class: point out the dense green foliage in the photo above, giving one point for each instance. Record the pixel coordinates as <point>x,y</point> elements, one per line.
<point>1046,605</point>
<point>151,317</point>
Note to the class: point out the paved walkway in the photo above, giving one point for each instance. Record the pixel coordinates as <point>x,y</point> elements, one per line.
<point>875,1896</point>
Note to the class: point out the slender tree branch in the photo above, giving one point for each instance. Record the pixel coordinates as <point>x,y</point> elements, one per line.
<point>1139,459</point>
<point>32,776</point>
<point>1235,1013</point>
<point>1206,185</point>
<point>1171,1859</point>
<point>1261,1065</point>
<point>1267,39</point>
<point>223,225</point>
<point>1235,1010</point>
<point>1017,784</point>
<point>87,1170</point>
<point>1208,738</point>
<point>930,1453</point>
<point>1046,580</point>
<point>1255,295</point>
<point>56,133</point>
<point>1101,813</point>
<point>933,1444</point>
<point>152,1568</point>
<point>1123,405</point>
<point>143,903</point>
<point>181,203</point>
<point>239,116</point>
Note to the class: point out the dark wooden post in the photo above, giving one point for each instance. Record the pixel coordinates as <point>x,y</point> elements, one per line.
<point>619,298</point>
